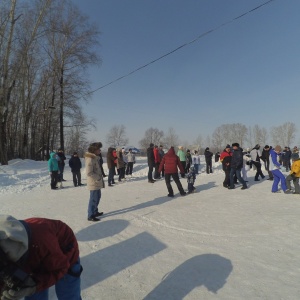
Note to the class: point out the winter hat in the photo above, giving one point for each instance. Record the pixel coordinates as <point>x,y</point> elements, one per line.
<point>93,147</point>
<point>267,146</point>
<point>151,144</point>
<point>235,145</point>
<point>227,146</point>
<point>277,148</point>
<point>206,148</point>
<point>188,151</point>
<point>75,153</point>
<point>257,146</point>
<point>13,237</point>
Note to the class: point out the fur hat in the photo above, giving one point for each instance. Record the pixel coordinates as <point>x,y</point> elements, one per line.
<point>235,145</point>
<point>277,148</point>
<point>13,237</point>
<point>94,147</point>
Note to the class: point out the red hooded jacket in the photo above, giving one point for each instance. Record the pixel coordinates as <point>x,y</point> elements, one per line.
<point>52,250</point>
<point>171,162</point>
<point>157,158</point>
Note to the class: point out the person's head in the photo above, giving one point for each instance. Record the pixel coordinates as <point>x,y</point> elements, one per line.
<point>60,150</point>
<point>235,146</point>
<point>267,147</point>
<point>160,146</point>
<point>277,149</point>
<point>192,168</point>
<point>75,154</point>
<point>151,145</point>
<point>52,155</point>
<point>95,148</point>
<point>130,150</point>
<point>227,148</point>
<point>206,149</point>
<point>13,238</point>
<point>156,147</point>
<point>188,151</point>
<point>195,151</point>
<point>257,146</point>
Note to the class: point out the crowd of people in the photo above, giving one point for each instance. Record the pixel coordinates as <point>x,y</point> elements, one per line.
<point>236,162</point>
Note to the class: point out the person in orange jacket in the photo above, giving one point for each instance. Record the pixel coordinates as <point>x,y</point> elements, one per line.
<point>294,176</point>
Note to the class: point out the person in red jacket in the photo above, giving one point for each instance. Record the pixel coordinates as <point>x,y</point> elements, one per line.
<point>47,251</point>
<point>157,160</point>
<point>171,163</point>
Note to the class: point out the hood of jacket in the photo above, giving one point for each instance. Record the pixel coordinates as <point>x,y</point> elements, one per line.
<point>52,155</point>
<point>171,151</point>
<point>13,237</point>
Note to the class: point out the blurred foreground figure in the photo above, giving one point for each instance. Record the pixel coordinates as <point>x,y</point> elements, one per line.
<point>36,254</point>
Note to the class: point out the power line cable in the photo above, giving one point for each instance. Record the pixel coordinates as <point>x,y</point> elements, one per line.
<point>183,45</point>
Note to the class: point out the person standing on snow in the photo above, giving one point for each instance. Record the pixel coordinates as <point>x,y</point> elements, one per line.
<point>157,161</point>
<point>208,159</point>
<point>61,164</point>
<point>188,161</point>
<point>225,159</point>
<point>171,163</point>
<point>236,166</point>
<point>95,181</point>
<point>196,161</point>
<point>75,165</point>
<point>182,159</point>
<point>265,156</point>
<point>151,162</point>
<point>53,170</point>
<point>130,162</point>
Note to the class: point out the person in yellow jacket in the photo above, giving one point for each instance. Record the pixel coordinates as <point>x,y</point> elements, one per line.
<point>294,175</point>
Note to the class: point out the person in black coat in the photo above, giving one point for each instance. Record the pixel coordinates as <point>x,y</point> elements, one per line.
<point>236,166</point>
<point>265,156</point>
<point>61,164</point>
<point>208,159</point>
<point>151,162</point>
<point>75,165</point>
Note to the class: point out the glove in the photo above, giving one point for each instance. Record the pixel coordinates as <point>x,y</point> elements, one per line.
<point>50,173</point>
<point>17,295</point>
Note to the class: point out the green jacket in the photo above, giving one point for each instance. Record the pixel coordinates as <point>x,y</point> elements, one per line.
<point>181,155</point>
<point>52,163</point>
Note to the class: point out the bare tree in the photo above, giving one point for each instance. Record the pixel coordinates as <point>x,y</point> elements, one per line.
<point>117,136</point>
<point>171,138</point>
<point>199,142</point>
<point>152,135</point>
<point>218,139</point>
<point>284,134</point>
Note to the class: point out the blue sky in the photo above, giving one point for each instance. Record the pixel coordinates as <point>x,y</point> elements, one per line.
<point>245,72</point>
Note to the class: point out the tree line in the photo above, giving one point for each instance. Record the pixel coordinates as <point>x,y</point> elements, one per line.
<point>224,134</point>
<point>45,49</point>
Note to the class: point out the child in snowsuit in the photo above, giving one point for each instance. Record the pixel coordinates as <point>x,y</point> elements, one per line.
<point>294,175</point>
<point>191,177</point>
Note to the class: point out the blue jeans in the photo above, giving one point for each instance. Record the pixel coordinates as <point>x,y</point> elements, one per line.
<point>67,288</point>
<point>237,172</point>
<point>278,176</point>
<point>196,168</point>
<point>111,174</point>
<point>94,202</point>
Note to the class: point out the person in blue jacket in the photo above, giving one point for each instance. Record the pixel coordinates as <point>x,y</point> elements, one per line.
<point>53,170</point>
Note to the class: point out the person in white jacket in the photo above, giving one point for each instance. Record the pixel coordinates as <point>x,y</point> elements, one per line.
<point>196,161</point>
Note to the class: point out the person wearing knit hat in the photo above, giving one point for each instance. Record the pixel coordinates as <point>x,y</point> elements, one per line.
<point>45,253</point>
<point>276,168</point>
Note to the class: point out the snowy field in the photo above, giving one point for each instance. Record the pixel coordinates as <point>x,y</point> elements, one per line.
<point>214,244</point>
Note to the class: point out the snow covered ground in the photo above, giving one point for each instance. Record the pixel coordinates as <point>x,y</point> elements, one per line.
<point>214,244</point>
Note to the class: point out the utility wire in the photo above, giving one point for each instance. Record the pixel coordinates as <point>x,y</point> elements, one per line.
<point>184,45</point>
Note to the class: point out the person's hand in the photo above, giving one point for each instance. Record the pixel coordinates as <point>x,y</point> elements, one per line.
<point>58,172</point>
<point>293,175</point>
<point>17,295</point>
